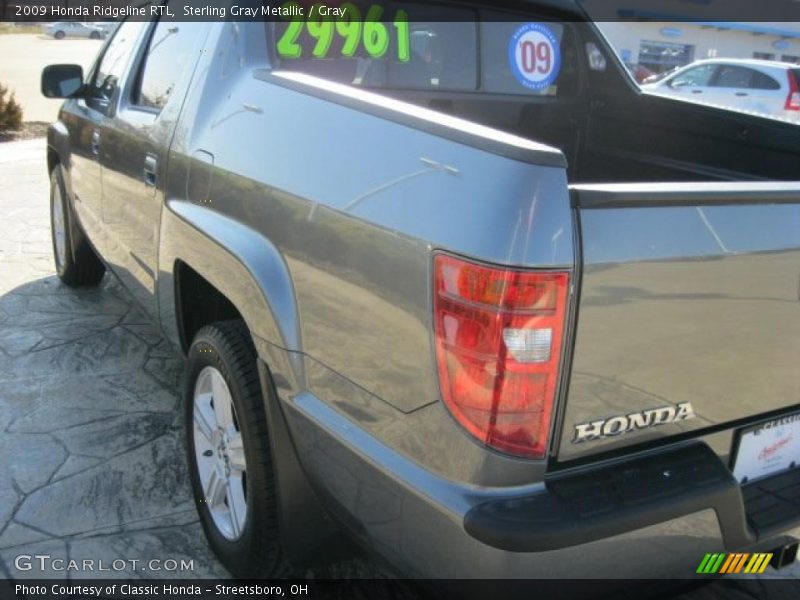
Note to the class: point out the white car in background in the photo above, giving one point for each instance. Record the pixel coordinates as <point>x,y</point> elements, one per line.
<point>65,29</point>
<point>760,87</point>
<point>107,26</point>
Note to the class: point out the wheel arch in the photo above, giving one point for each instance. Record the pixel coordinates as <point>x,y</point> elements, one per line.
<point>58,147</point>
<point>243,275</point>
<point>240,269</point>
<point>76,232</point>
<point>52,159</point>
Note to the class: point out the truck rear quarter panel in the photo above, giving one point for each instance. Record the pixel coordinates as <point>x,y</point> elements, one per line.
<point>355,203</point>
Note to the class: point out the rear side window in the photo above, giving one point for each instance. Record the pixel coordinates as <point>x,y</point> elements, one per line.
<point>169,53</point>
<point>733,76</point>
<point>422,55</point>
<point>545,60</point>
<point>441,56</point>
<point>465,54</point>
<point>762,81</point>
<point>115,60</point>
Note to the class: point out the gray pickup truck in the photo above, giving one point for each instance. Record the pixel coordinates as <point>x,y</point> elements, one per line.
<point>469,296</point>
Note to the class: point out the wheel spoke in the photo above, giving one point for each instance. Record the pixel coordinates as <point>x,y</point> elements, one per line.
<point>203,421</point>
<point>236,503</point>
<point>215,489</point>
<point>222,401</point>
<point>236,453</point>
<point>58,226</point>
<point>219,453</point>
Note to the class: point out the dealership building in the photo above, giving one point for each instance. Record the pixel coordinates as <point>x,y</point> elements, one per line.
<point>661,46</point>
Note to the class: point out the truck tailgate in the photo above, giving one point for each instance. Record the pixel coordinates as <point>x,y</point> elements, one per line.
<point>690,293</point>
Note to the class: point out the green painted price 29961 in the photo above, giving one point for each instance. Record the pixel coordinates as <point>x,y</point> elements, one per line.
<point>352,27</point>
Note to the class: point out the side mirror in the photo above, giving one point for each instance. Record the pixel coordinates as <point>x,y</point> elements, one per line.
<point>62,81</point>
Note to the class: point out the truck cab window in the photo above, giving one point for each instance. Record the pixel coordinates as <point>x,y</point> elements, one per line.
<point>430,56</point>
<point>114,62</point>
<point>481,52</point>
<point>560,59</point>
<point>168,53</point>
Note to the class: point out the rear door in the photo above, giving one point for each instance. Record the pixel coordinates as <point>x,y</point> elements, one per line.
<point>768,93</point>
<point>743,88</point>
<point>731,87</point>
<point>137,139</point>
<point>689,307</point>
<point>86,122</point>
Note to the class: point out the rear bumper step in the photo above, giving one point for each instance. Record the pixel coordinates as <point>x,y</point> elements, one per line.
<point>611,500</point>
<point>784,555</point>
<point>773,504</point>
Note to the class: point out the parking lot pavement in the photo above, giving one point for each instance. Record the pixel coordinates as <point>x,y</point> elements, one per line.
<point>22,58</point>
<point>92,457</point>
<point>91,445</point>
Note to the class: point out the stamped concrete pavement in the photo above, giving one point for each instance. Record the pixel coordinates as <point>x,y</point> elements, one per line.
<point>91,443</point>
<point>91,447</point>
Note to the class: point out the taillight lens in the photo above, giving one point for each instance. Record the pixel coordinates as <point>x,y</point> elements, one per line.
<point>499,334</point>
<point>793,99</point>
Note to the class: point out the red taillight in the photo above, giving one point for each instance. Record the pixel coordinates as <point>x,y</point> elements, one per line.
<point>499,334</point>
<point>793,99</point>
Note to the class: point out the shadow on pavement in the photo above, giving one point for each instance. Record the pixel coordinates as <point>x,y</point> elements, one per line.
<point>92,439</point>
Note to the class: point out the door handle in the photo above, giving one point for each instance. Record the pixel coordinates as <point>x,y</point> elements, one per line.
<point>150,166</point>
<point>697,91</point>
<point>96,143</point>
<point>741,93</point>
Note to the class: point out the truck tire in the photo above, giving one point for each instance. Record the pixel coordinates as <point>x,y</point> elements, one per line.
<point>228,451</point>
<point>75,260</point>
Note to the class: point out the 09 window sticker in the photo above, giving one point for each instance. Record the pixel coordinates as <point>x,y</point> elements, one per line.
<point>534,55</point>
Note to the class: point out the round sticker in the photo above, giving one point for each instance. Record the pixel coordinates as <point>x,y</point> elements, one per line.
<point>535,56</point>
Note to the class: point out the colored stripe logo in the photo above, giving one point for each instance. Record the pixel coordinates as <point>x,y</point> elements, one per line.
<point>737,562</point>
